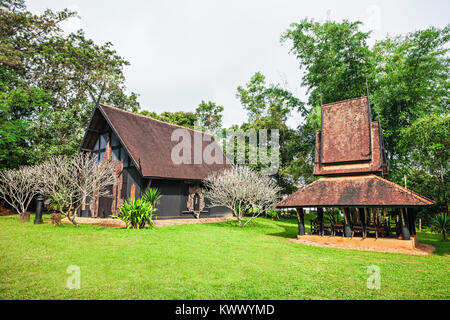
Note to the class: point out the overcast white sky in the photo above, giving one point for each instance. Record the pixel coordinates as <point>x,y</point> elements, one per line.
<point>184,51</point>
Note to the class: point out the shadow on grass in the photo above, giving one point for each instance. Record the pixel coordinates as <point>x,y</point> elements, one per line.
<point>287,233</point>
<point>442,247</point>
<point>283,228</point>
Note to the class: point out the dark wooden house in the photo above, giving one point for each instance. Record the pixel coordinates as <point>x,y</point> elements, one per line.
<point>140,149</point>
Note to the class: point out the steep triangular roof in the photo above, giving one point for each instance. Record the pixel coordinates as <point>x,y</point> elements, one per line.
<point>349,142</point>
<point>346,131</point>
<point>354,191</point>
<point>149,144</point>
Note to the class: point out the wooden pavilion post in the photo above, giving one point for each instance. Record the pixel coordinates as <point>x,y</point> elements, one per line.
<point>301,221</point>
<point>320,219</point>
<point>347,226</point>
<point>404,223</point>
<point>362,218</point>
<point>412,221</point>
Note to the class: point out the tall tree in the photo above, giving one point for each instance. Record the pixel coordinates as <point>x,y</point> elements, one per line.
<point>428,140</point>
<point>209,115</point>
<point>50,80</point>
<point>334,56</point>
<point>411,80</point>
<point>269,107</point>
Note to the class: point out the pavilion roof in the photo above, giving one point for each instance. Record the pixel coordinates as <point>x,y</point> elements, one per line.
<point>354,191</point>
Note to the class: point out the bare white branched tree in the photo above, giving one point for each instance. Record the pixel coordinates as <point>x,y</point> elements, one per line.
<point>69,181</point>
<point>242,190</point>
<point>93,178</point>
<point>18,187</point>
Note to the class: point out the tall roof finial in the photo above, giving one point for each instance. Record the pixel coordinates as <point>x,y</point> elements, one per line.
<point>321,109</point>
<point>368,98</point>
<point>321,105</point>
<point>91,92</point>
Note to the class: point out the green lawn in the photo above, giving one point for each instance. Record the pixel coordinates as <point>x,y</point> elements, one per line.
<point>207,261</point>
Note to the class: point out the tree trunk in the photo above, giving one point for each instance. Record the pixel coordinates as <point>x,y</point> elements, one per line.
<point>72,219</point>
<point>239,221</point>
<point>25,216</point>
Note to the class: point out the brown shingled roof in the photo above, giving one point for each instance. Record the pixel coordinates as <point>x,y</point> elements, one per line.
<point>149,144</point>
<point>354,191</point>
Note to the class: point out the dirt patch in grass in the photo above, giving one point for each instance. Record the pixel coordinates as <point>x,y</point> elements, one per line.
<point>116,223</point>
<point>421,249</point>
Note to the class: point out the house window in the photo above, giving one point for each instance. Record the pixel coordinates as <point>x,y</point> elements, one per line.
<point>96,146</point>
<point>114,140</point>
<point>115,147</point>
<point>99,149</point>
<point>116,154</point>
<point>103,140</point>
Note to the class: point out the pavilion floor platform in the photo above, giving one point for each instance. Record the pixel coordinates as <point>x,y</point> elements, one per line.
<point>391,245</point>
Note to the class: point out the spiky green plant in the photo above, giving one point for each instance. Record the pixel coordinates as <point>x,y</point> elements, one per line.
<point>152,196</point>
<point>441,224</point>
<point>137,213</point>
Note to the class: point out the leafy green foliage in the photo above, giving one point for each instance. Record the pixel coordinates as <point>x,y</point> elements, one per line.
<point>209,115</point>
<point>333,215</point>
<point>428,141</point>
<point>269,107</point>
<point>18,107</point>
<point>152,196</point>
<point>410,80</point>
<point>48,82</point>
<point>334,56</point>
<point>180,118</point>
<point>53,203</point>
<point>441,225</point>
<point>274,214</point>
<point>267,103</point>
<point>137,213</point>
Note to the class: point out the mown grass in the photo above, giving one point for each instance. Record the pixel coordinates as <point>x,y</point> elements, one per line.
<point>206,261</point>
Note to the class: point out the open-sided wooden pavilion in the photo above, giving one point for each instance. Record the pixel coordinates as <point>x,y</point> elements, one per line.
<point>351,160</point>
